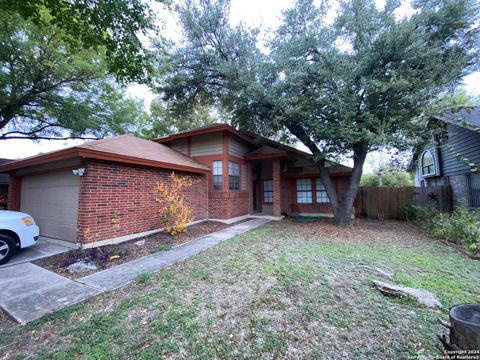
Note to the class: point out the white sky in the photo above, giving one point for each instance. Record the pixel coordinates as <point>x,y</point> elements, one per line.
<point>264,13</point>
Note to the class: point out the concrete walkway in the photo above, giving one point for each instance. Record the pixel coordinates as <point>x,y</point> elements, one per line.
<point>43,248</point>
<point>28,292</point>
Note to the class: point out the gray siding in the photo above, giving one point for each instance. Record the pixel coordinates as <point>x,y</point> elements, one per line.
<point>179,145</point>
<point>237,147</point>
<point>209,144</point>
<point>465,141</point>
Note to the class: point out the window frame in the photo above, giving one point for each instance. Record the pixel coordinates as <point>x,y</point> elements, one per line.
<point>233,179</point>
<point>217,186</point>
<point>432,169</point>
<point>308,191</point>
<point>319,190</point>
<point>269,191</point>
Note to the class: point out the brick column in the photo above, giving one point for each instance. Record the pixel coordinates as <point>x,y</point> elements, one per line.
<point>249,188</point>
<point>277,188</point>
<point>14,189</point>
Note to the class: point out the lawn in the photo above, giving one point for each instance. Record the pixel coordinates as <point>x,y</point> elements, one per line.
<point>287,290</point>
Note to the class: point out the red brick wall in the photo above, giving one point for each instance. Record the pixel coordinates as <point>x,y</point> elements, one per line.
<point>290,198</point>
<point>14,187</point>
<point>117,200</point>
<point>227,205</point>
<point>277,187</point>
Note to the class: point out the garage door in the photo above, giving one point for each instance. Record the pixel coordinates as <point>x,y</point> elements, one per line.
<point>52,200</point>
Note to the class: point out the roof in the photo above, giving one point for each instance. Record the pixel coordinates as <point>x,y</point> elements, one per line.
<point>204,130</point>
<point>245,135</point>
<point>264,147</point>
<point>468,117</point>
<point>123,148</point>
<point>262,140</point>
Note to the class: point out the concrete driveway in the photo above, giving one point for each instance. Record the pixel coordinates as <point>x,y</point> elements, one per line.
<point>45,247</point>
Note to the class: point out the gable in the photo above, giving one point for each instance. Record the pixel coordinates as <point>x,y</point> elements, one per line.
<point>237,147</point>
<point>207,144</point>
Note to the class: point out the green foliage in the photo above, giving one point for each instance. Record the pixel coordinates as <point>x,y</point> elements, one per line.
<point>347,86</point>
<point>48,90</point>
<point>391,178</point>
<point>461,227</point>
<point>143,277</point>
<point>161,121</point>
<point>115,25</point>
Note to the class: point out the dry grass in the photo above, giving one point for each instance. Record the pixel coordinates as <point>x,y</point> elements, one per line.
<point>284,291</point>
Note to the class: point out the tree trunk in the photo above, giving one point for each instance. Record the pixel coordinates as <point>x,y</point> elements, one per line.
<point>343,208</point>
<point>342,204</point>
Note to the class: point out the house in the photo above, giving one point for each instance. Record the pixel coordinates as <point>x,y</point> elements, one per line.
<point>3,185</point>
<point>440,163</point>
<point>102,191</point>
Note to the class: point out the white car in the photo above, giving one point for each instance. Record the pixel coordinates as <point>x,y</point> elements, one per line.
<point>17,231</point>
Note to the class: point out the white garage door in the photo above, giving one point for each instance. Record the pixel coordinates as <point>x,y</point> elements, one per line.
<point>52,200</point>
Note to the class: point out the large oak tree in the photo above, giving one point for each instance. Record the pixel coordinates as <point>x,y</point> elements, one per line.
<point>51,91</point>
<point>342,84</point>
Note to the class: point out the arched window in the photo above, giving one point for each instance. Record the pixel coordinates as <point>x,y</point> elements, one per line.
<point>428,164</point>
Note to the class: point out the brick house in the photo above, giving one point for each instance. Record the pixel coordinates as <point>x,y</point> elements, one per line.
<point>102,191</point>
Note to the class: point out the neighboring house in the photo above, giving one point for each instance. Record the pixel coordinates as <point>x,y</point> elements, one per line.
<point>103,190</point>
<point>4,179</point>
<point>439,164</point>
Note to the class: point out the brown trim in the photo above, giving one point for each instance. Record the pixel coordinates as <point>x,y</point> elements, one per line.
<point>276,143</point>
<point>266,156</point>
<point>205,130</point>
<point>314,175</point>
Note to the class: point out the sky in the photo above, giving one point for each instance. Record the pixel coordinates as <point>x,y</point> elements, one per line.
<point>258,13</point>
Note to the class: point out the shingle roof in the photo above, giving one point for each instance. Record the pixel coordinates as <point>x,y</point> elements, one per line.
<point>468,117</point>
<point>124,148</point>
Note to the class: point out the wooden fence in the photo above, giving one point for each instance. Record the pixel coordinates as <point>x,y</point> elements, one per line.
<point>388,203</point>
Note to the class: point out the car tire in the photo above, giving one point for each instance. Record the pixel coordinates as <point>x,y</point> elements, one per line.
<point>7,248</point>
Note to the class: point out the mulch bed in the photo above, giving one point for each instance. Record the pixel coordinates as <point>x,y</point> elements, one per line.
<point>107,256</point>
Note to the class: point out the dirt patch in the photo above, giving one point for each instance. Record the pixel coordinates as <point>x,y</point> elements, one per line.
<point>362,231</point>
<point>6,322</point>
<point>107,256</point>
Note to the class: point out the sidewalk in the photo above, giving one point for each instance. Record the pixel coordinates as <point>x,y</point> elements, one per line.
<point>29,291</point>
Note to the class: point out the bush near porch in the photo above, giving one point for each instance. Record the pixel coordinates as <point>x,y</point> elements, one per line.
<point>286,290</point>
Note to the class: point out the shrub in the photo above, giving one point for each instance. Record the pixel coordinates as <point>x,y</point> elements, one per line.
<point>175,213</point>
<point>460,227</point>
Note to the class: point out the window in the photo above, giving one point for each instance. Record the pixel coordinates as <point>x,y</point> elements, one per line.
<point>322,196</point>
<point>244,178</point>
<point>304,191</point>
<point>428,164</point>
<point>233,175</point>
<point>268,191</point>
<point>473,183</point>
<point>217,175</point>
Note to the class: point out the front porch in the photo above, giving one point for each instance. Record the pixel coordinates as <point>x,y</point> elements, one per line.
<point>266,183</point>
